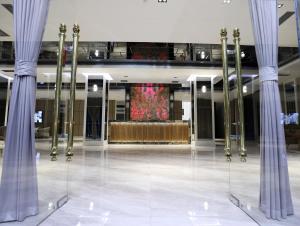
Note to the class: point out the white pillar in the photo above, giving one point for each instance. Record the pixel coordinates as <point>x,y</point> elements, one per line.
<point>103,110</point>
<point>86,90</point>
<point>195,111</point>
<point>213,108</point>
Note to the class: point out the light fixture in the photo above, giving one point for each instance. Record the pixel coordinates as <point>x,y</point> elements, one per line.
<point>203,89</point>
<point>280,5</point>
<point>95,88</point>
<point>245,90</point>
<point>64,74</point>
<point>243,54</point>
<point>162,1</point>
<point>232,77</point>
<point>227,1</point>
<point>96,52</point>
<point>202,55</point>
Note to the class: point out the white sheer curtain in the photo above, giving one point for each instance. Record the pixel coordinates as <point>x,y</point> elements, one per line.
<point>275,194</point>
<point>18,190</point>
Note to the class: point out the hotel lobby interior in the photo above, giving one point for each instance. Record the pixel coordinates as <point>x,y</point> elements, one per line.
<point>149,113</point>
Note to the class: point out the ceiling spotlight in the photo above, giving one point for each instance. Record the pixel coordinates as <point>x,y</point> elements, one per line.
<point>227,1</point>
<point>162,1</point>
<point>203,89</point>
<point>245,90</point>
<point>243,54</point>
<point>280,5</point>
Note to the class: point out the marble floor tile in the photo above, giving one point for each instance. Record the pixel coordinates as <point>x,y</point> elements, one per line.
<point>153,185</point>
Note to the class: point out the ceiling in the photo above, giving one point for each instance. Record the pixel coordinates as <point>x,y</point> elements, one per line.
<point>177,21</point>
<point>132,74</point>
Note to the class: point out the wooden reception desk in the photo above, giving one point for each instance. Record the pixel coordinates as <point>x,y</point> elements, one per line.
<point>149,132</point>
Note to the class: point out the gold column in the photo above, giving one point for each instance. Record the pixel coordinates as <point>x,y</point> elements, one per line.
<point>69,151</point>
<point>238,68</point>
<point>62,36</point>
<point>227,122</point>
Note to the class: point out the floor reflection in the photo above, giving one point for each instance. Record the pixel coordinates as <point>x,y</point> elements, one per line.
<point>152,185</point>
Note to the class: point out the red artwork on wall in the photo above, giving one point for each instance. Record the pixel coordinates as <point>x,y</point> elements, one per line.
<point>149,102</point>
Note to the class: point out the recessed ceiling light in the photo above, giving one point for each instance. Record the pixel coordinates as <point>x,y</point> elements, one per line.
<point>280,5</point>
<point>162,1</point>
<point>227,1</point>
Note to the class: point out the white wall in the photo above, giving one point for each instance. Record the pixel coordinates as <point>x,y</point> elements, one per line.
<point>182,96</point>
<point>187,110</point>
<point>118,94</point>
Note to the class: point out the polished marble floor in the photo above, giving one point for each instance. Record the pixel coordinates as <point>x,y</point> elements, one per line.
<point>245,180</point>
<point>151,185</point>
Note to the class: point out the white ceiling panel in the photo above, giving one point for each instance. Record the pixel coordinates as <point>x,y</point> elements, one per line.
<point>178,21</point>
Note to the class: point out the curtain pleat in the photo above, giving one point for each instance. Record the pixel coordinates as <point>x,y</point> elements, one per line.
<point>275,195</point>
<point>18,189</point>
